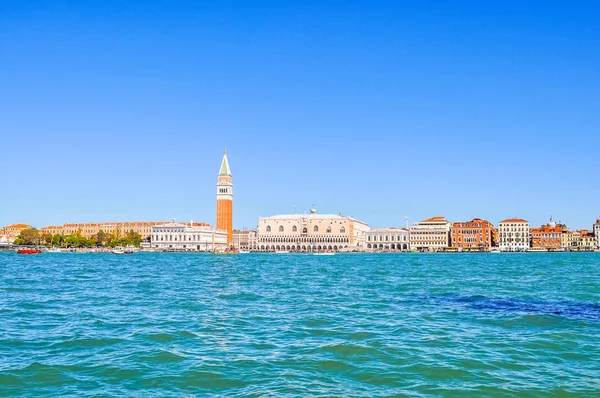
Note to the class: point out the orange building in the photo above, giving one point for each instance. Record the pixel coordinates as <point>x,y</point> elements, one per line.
<point>548,236</point>
<point>476,234</point>
<point>225,200</point>
<point>11,232</point>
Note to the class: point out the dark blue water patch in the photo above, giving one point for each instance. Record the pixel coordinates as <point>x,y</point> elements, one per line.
<point>568,309</point>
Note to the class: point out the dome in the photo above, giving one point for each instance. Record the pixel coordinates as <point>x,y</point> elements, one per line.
<point>313,211</point>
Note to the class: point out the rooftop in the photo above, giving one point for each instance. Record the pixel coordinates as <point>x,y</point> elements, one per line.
<point>225,170</point>
<point>18,226</point>
<point>515,220</point>
<point>436,219</point>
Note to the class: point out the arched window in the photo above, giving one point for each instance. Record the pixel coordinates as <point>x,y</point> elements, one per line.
<point>304,230</point>
<point>328,230</point>
<point>316,229</point>
<point>268,228</point>
<point>342,230</point>
<point>294,229</point>
<point>281,228</point>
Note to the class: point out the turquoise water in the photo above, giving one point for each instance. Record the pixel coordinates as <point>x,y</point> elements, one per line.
<point>192,325</point>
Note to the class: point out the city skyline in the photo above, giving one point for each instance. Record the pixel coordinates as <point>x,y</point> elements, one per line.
<point>375,110</point>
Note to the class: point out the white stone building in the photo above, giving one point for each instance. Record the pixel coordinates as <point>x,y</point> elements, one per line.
<point>309,232</point>
<point>187,237</point>
<point>432,234</point>
<point>597,233</point>
<point>394,239</point>
<point>514,234</point>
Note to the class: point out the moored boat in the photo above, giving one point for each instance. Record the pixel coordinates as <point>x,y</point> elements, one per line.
<point>29,251</point>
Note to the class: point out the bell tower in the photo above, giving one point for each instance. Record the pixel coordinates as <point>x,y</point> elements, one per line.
<point>225,199</point>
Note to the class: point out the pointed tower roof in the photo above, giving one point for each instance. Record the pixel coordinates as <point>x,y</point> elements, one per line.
<point>225,170</point>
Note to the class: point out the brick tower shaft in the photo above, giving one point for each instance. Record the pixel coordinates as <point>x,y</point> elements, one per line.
<point>225,200</point>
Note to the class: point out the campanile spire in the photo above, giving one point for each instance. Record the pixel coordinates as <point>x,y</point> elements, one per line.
<point>225,199</point>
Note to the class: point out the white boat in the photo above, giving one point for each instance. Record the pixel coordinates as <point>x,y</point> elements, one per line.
<point>244,252</point>
<point>282,252</point>
<point>324,254</point>
<point>54,250</point>
<point>122,251</point>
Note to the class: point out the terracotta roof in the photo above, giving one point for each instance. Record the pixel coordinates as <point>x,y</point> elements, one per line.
<point>436,219</point>
<point>513,220</point>
<point>18,226</point>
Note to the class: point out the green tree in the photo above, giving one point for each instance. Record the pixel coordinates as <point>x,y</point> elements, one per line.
<point>29,236</point>
<point>74,240</point>
<point>92,241</point>
<point>101,238</point>
<point>57,240</point>
<point>46,238</point>
<point>134,237</point>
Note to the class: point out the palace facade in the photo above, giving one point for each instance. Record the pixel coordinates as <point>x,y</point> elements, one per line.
<point>309,232</point>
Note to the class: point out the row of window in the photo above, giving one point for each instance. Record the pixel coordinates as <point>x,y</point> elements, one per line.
<point>173,238</point>
<point>302,239</point>
<point>305,230</point>
<point>387,238</point>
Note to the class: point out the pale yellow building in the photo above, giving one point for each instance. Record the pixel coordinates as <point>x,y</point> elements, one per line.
<point>118,229</point>
<point>311,232</point>
<point>586,241</point>
<point>432,234</point>
<point>569,239</point>
<point>52,230</point>
<point>12,232</point>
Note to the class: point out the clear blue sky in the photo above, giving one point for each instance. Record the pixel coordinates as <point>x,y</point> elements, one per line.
<point>115,110</point>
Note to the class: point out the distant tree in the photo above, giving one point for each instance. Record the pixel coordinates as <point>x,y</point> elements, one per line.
<point>29,236</point>
<point>57,240</point>
<point>76,241</point>
<point>92,241</point>
<point>46,238</point>
<point>101,238</point>
<point>134,237</point>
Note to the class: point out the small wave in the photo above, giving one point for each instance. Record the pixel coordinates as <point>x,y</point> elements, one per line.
<point>350,350</point>
<point>163,356</point>
<point>162,337</point>
<point>87,343</point>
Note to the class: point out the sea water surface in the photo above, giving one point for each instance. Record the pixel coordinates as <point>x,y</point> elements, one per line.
<point>350,325</point>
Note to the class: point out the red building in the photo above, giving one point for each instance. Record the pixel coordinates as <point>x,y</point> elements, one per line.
<point>476,234</point>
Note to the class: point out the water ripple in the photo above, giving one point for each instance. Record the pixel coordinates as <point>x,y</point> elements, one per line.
<point>191,325</point>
